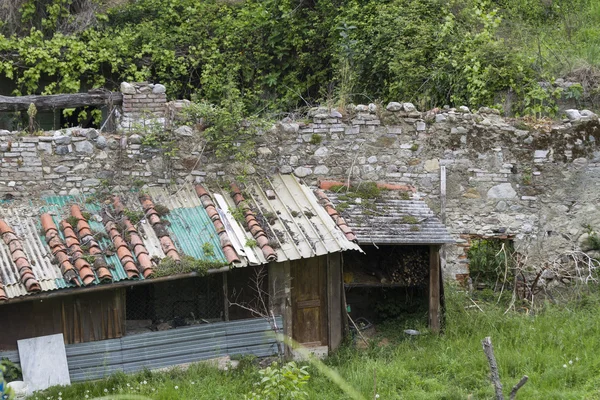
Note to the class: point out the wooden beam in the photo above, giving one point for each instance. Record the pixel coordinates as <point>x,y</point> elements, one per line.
<point>58,101</point>
<point>434,288</point>
<point>107,286</point>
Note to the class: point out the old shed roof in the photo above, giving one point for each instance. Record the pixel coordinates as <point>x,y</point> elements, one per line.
<point>391,220</point>
<point>274,219</point>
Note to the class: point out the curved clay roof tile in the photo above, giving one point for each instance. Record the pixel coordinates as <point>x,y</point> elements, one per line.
<point>5,228</point>
<point>48,222</point>
<point>15,245</point>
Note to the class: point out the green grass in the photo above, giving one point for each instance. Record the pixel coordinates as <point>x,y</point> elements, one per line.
<point>450,366</point>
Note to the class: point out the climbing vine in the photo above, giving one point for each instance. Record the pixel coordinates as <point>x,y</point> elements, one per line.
<point>277,53</point>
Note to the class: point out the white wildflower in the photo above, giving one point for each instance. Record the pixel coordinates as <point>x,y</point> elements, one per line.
<point>564,365</point>
<point>571,362</point>
<point>176,387</point>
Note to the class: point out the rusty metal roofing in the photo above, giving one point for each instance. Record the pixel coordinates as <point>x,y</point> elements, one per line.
<point>293,224</point>
<point>389,220</point>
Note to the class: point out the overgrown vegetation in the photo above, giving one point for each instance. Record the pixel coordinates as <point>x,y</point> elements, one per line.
<point>284,54</point>
<point>555,346</point>
<point>227,128</point>
<point>491,262</point>
<point>169,266</point>
<point>593,240</point>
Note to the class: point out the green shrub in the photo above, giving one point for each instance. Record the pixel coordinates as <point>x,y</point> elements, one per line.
<point>11,371</point>
<point>490,262</point>
<point>281,382</point>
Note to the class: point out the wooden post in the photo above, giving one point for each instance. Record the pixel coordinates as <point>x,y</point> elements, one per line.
<point>434,288</point>
<point>334,300</point>
<point>225,298</point>
<point>279,296</point>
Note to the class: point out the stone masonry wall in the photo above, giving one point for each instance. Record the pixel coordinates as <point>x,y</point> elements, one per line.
<point>536,183</point>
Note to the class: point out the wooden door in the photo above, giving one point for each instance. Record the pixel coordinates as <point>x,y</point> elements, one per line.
<point>309,301</point>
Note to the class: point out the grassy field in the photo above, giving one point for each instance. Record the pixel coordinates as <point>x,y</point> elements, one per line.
<point>557,348</point>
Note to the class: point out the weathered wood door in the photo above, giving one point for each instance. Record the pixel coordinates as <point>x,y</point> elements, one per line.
<point>309,301</point>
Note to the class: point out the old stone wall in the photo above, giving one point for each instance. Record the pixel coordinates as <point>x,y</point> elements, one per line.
<point>537,183</point>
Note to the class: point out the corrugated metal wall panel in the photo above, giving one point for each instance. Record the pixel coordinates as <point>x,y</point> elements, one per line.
<point>95,360</point>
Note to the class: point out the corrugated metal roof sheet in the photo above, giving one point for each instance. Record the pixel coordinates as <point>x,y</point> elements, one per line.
<point>296,225</point>
<point>25,222</point>
<point>392,221</point>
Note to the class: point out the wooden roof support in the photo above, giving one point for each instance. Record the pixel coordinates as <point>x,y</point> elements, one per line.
<point>21,103</point>
<point>434,289</point>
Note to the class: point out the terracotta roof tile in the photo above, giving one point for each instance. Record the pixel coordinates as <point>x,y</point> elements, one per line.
<point>84,232</point>
<point>123,252</point>
<point>83,267</point>
<point>339,221</point>
<point>166,242</point>
<point>58,249</point>
<point>253,225</point>
<point>19,258</point>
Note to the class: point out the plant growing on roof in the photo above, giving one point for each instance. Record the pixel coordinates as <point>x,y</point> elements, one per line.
<point>238,213</point>
<point>161,210</point>
<point>208,249</point>
<point>71,220</point>
<point>133,216</point>
<point>409,219</point>
<point>167,266</point>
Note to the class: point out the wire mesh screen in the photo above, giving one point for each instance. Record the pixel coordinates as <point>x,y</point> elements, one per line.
<point>167,305</point>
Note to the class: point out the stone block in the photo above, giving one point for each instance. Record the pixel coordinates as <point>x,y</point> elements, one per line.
<point>84,147</point>
<point>302,172</point>
<point>502,191</point>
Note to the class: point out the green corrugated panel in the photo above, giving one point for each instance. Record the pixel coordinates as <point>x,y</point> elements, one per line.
<point>190,229</point>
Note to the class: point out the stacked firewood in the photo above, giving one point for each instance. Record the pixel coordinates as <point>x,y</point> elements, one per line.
<point>410,268</point>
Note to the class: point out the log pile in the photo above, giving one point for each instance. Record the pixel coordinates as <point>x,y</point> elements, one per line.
<point>408,268</point>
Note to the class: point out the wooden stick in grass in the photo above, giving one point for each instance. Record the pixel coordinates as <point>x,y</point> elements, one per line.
<point>488,349</point>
